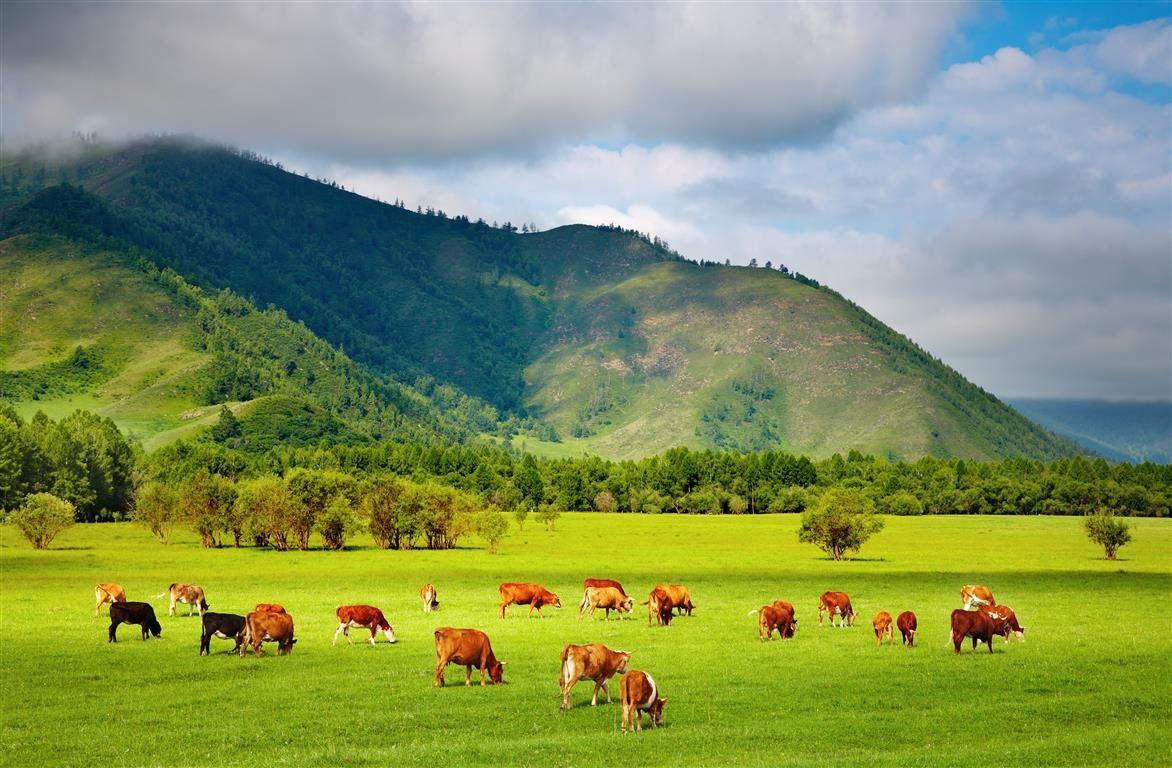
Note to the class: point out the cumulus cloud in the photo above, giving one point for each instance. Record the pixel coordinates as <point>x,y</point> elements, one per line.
<point>378,82</point>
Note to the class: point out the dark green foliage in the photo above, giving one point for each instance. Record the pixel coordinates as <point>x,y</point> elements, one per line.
<point>82,370</point>
<point>42,517</point>
<point>1107,530</point>
<point>841,524</point>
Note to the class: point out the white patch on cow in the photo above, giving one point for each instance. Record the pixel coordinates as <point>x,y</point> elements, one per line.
<point>651,697</point>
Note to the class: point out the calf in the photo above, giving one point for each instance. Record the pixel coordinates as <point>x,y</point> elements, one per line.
<point>777,615</point>
<point>680,599</point>
<point>134,613</point>
<point>107,593</point>
<point>975,624</point>
<point>227,626</point>
<point>883,628</point>
<point>906,622</point>
<point>836,603</point>
<point>593,661</point>
<point>607,598</point>
<point>974,596</point>
<point>362,616</point>
<point>638,694</point>
<point>527,593</point>
<point>274,627</point>
<point>428,596</point>
<point>189,594</point>
<point>1005,620</point>
<point>659,606</point>
<point>469,647</point>
<point>269,608</point>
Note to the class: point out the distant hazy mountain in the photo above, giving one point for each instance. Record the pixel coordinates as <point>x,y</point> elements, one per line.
<point>1123,431</point>
<point>603,340</point>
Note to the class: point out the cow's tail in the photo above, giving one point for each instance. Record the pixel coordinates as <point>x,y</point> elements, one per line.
<point>755,610</point>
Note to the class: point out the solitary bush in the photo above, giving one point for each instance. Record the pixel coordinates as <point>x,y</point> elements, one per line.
<point>843,520</point>
<point>491,526</point>
<point>42,517</point>
<point>1105,528</point>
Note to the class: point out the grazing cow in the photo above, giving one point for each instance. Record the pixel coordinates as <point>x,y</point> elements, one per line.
<point>362,616</point>
<point>592,661</point>
<point>836,603</point>
<point>107,593</point>
<point>883,628</point>
<point>527,593</point>
<point>588,583</point>
<point>659,606</point>
<point>227,626</point>
<point>680,599</point>
<point>638,694</point>
<point>190,594</point>
<point>469,647</point>
<point>975,624</point>
<point>274,627</point>
<point>777,615</point>
<point>906,622</point>
<point>134,613</point>
<point>607,598</point>
<point>428,595</point>
<point>269,608</point>
<point>974,596</point>
<point>1006,621</point>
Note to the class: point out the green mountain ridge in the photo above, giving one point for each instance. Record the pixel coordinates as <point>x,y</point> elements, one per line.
<point>609,340</point>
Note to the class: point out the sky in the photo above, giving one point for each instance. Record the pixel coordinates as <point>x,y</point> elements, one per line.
<point>991,179</point>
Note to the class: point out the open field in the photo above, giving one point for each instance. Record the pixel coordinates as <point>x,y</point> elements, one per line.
<point>1091,685</point>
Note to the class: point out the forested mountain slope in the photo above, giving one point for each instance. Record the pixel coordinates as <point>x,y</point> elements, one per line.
<point>619,345</point>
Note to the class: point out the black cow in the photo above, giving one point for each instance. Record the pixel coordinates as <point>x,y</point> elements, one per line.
<point>134,613</point>
<point>227,626</point>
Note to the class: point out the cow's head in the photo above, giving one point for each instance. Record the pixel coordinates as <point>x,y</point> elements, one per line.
<point>624,662</point>
<point>154,626</point>
<point>285,647</point>
<point>628,604</point>
<point>656,712</point>
<point>496,672</point>
<point>389,631</point>
<point>551,598</point>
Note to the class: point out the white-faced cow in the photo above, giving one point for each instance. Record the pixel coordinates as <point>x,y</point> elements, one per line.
<point>226,626</point>
<point>362,616</point>
<point>638,694</point>
<point>134,613</point>
<point>273,627</point>
<point>108,592</point>
<point>883,628</point>
<point>973,596</point>
<point>592,661</point>
<point>836,604</point>
<point>906,622</point>
<point>428,595</point>
<point>527,593</point>
<point>1006,621</point>
<point>607,598</point>
<point>189,594</point>
<point>467,647</point>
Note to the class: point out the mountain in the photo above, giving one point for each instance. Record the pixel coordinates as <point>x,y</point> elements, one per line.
<point>1122,431</point>
<point>603,338</point>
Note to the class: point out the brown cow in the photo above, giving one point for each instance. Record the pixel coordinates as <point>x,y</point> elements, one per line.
<point>362,616</point>
<point>975,624</point>
<point>269,608</point>
<point>274,627</point>
<point>107,592</point>
<point>1006,621</point>
<point>608,598</point>
<point>638,694</point>
<point>592,661</point>
<point>588,583</point>
<point>836,603</point>
<point>976,595</point>
<point>777,615</point>
<point>189,594</point>
<point>906,622</point>
<point>883,628</point>
<point>527,593</point>
<point>659,606</point>
<point>680,599</point>
<point>428,595</point>
<point>469,647</point>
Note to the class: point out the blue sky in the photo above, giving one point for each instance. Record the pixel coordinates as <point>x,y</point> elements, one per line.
<point>990,179</point>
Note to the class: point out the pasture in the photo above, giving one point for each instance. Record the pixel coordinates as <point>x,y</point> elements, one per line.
<point>1092,684</point>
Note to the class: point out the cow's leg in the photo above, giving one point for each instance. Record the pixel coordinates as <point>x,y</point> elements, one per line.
<point>113,636</point>
<point>503,604</point>
<point>171,610</point>
<point>441,662</point>
<point>341,627</point>
<point>467,675</point>
<point>373,630</point>
<point>205,643</point>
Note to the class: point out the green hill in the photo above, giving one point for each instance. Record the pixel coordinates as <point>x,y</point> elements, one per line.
<point>620,346</point>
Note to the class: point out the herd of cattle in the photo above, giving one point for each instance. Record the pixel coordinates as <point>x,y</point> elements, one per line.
<point>980,619</point>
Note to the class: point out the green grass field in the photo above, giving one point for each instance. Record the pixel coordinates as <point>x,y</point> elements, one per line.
<point>1092,685</point>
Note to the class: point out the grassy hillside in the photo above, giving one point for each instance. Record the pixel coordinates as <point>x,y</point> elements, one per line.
<point>1077,692</point>
<point>617,345</point>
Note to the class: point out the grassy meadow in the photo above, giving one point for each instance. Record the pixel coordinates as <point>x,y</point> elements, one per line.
<point>1092,684</point>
